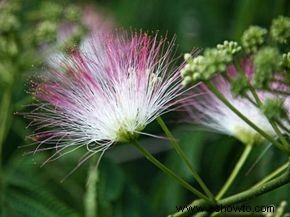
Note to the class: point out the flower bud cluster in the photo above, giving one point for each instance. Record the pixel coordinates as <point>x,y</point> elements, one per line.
<point>253,38</point>
<point>24,32</point>
<point>204,67</point>
<point>231,47</point>
<point>266,63</point>
<point>266,57</point>
<point>280,29</point>
<point>45,32</point>
<point>254,78</point>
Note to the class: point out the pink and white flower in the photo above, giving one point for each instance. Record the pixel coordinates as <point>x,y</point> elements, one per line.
<point>206,109</point>
<point>108,96</point>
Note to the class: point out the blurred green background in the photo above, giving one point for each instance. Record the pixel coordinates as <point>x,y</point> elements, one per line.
<point>129,186</point>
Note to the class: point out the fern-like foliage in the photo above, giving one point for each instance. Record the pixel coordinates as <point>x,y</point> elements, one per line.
<point>27,194</point>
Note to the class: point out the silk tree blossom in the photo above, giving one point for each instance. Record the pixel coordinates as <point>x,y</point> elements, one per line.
<point>101,98</point>
<point>207,110</point>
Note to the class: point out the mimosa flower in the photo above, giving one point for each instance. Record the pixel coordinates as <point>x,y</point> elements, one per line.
<point>107,96</point>
<point>207,110</point>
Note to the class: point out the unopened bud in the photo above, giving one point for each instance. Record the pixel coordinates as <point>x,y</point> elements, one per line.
<point>266,62</point>
<point>280,29</point>
<point>231,47</point>
<point>253,38</point>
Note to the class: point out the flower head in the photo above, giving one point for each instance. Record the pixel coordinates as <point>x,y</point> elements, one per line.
<point>253,38</point>
<point>280,29</point>
<point>98,98</point>
<point>214,114</point>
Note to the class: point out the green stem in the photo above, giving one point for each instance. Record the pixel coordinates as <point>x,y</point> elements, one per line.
<point>273,174</point>
<point>240,197</point>
<point>257,191</point>
<point>4,116</point>
<point>169,172</point>
<point>235,171</point>
<point>217,93</point>
<point>90,200</point>
<point>4,112</point>
<point>280,135</point>
<point>183,156</point>
<point>260,103</point>
<point>282,126</point>
<point>273,124</point>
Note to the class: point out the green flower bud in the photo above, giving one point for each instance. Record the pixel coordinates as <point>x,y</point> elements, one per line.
<point>186,71</point>
<point>274,109</point>
<point>187,81</point>
<point>11,6</point>
<point>191,71</point>
<point>231,47</point>
<point>253,38</point>
<point>8,22</point>
<point>45,32</point>
<point>215,61</point>
<point>239,85</point>
<point>197,67</point>
<point>50,11</point>
<point>280,29</point>
<point>187,57</point>
<point>266,62</point>
<point>8,47</point>
<point>72,13</point>
<point>205,67</point>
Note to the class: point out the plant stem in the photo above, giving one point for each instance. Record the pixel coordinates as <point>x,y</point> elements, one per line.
<point>273,174</point>
<point>90,200</point>
<point>273,124</point>
<point>259,190</point>
<point>260,103</point>
<point>240,197</point>
<point>280,135</point>
<point>169,172</point>
<point>217,93</point>
<point>4,116</point>
<point>183,156</point>
<point>236,170</point>
<point>4,112</point>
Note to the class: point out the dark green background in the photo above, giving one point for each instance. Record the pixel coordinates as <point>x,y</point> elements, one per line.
<point>130,186</point>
